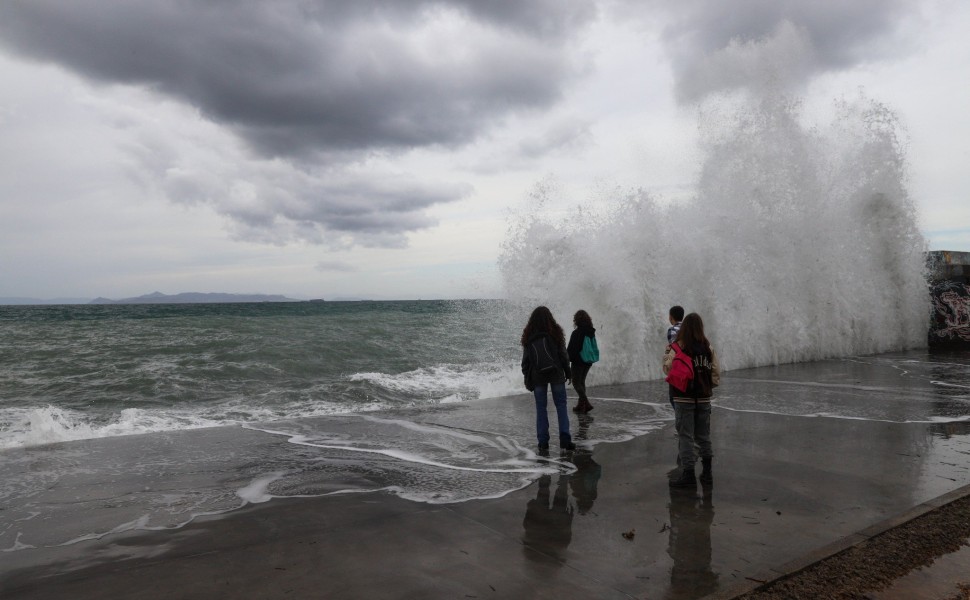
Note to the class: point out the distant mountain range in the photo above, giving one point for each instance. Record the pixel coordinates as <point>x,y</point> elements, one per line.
<point>194,298</point>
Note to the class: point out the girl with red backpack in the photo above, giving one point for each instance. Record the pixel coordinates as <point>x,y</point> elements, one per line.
<point>692,370</point>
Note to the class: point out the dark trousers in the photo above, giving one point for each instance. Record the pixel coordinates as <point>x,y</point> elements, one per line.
<point>579,371</point>
<point>693,422</point>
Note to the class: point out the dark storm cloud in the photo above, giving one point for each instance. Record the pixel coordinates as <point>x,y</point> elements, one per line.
<point>325,86</point>
<point>296,77</point>
<point>339,207</point>
<point>708,39</point>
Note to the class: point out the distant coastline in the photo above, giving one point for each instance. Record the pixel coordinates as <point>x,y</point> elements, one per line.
<point>201,298</point>
<point>160,298</point>
<point>194,298</point>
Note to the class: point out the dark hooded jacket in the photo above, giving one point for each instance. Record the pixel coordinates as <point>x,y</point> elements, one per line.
<point>541,348</point>
<point>575,345</point>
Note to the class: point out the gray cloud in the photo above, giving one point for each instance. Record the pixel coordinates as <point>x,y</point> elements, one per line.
<point>337,207</point>
<point>718,45</point>
<point>564,136</point>
<point>295,78</point>
<point>334,266</point>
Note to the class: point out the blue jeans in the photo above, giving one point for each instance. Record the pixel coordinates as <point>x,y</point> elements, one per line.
<point>693,422</point>
<point>542,416</point>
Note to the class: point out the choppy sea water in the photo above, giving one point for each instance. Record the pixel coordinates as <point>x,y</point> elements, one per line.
<point>87,371</point>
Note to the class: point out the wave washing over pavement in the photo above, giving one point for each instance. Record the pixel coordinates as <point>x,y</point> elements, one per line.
<point>444,454</point>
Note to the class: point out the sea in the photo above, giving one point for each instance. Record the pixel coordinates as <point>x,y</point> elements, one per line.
<point>74,372</point>
<point>78,372</point>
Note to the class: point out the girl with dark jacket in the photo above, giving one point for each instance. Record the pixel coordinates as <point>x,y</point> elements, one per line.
<point>545,365</point>
<point>583,328</point>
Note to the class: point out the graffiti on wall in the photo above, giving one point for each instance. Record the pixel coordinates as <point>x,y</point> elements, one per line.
<point>951,318</point>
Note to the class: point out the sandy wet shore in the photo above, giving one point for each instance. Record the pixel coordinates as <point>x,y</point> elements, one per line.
<point>784,486</point>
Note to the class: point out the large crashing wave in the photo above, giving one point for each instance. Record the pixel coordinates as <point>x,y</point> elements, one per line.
<point>798,244</point>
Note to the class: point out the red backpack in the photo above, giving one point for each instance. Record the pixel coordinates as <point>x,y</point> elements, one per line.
<point>681,370</point>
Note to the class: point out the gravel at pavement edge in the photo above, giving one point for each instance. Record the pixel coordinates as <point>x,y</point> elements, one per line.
<point>875,563</point>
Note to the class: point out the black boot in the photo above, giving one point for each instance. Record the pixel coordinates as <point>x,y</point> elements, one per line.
<point>707,476</point>
<point>675,472</point>
<point>685,479</point>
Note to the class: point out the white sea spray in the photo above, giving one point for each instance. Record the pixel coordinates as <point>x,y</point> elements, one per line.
<point>799,243</point>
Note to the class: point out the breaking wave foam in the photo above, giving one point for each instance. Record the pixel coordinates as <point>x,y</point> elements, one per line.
<point>799,243</point>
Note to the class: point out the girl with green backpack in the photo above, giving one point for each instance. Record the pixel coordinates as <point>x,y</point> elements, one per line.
<point>583,352</point>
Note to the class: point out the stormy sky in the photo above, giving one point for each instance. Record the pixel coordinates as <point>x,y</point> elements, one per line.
<point>376,148</point>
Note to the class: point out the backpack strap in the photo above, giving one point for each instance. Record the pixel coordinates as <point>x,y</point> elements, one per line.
<point>678,349</point>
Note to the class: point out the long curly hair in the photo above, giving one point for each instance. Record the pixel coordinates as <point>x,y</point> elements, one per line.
<point>691,334</point>
<point>582,319</point>
<point>542,321</point>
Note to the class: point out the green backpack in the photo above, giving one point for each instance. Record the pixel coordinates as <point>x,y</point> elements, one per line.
<point>590,352</point>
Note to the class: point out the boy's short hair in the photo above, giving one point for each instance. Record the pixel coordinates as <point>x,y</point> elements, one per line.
<point>677,312</point>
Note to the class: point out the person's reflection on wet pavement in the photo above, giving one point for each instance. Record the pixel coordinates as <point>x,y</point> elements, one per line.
<point>584,481</point>
<point>548,527</point>
<point>582,432</point>
<point>689,543</point>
